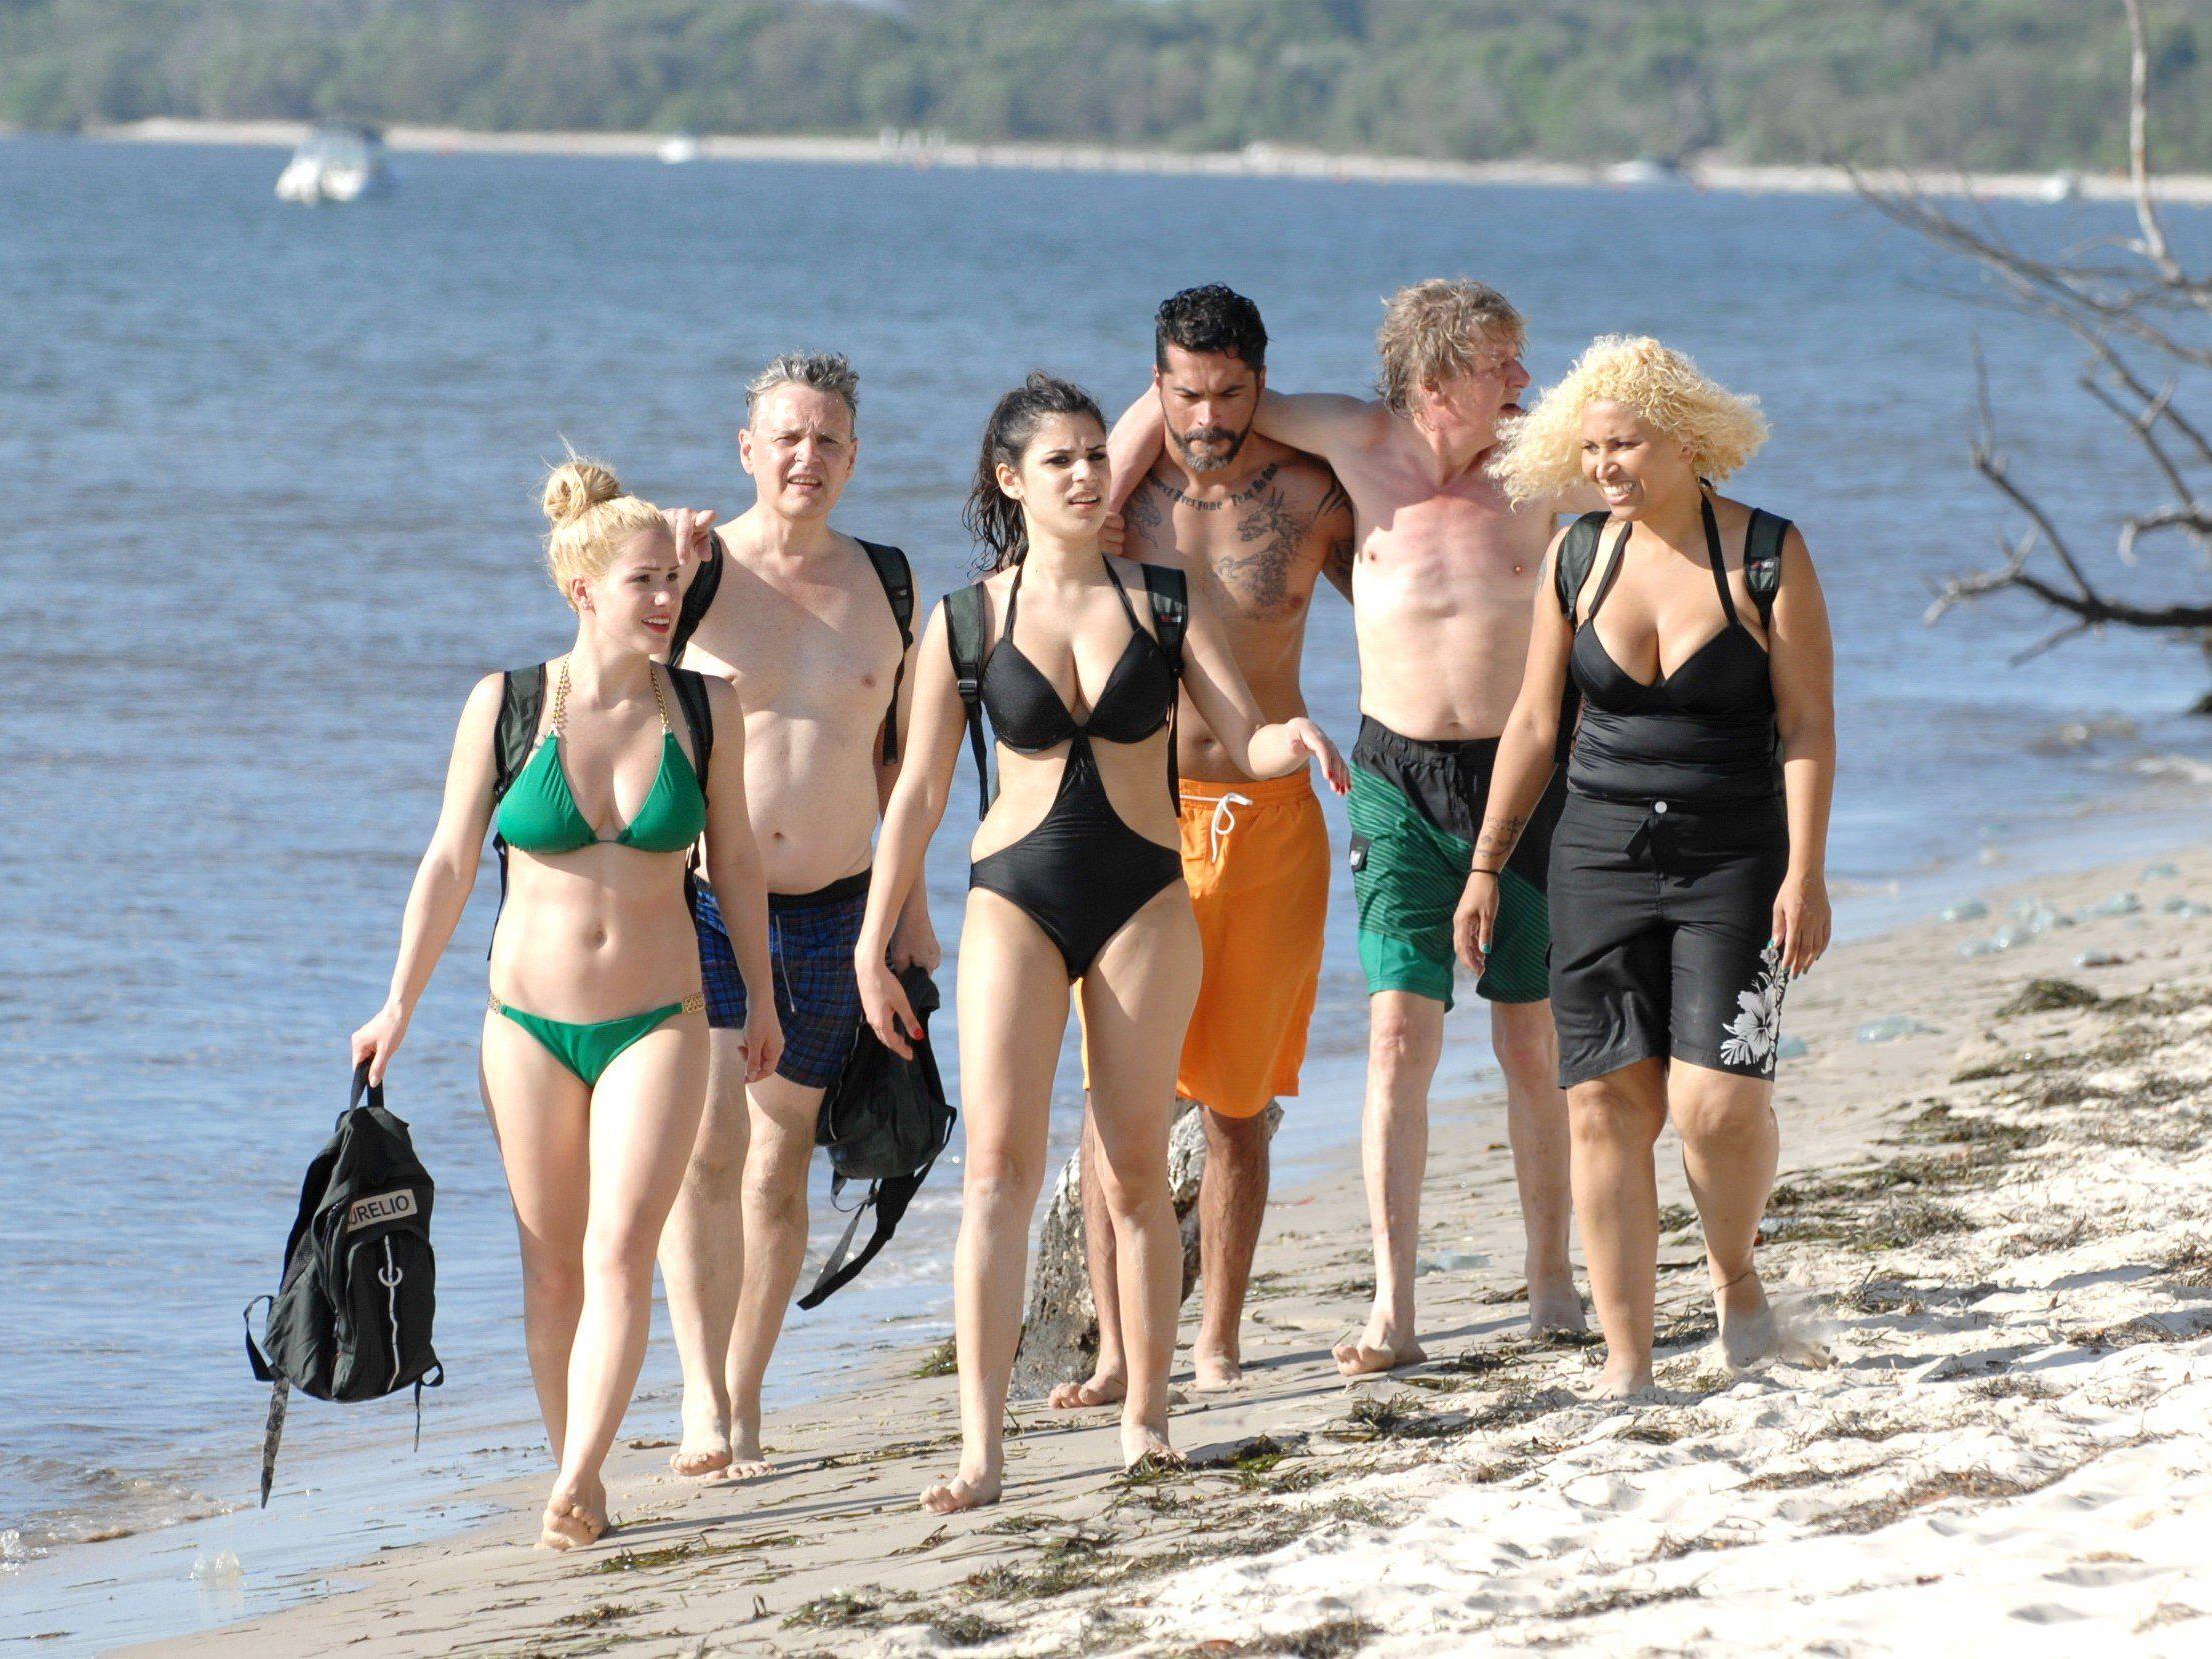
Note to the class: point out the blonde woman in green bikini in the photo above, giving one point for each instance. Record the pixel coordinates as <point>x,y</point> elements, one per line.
<point>595,1043</point>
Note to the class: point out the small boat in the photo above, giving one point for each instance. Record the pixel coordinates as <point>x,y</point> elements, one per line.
<point>1643,171</point>
<point>678,148</point>
<point>337,162</point>
<point>2059,187</point>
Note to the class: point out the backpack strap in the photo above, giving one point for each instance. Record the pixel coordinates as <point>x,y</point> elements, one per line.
<point>699,715</point>
<point>522,699</point>
<point>896,575</point>
<point>1763,560</point>
<point>1576,555</point>
<point>966,610</point>
<point>696,598</point>
<point>1170,587</point>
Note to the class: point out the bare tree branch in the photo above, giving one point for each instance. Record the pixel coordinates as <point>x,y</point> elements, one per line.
<point>2153,244</point>
<point>2133,289</point>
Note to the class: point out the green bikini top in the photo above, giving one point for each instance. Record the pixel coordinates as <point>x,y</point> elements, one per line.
<point>539,811</point>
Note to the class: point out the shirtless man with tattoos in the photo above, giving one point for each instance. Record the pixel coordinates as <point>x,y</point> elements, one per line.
<point>1257,524</point>
<point>1442,577</point>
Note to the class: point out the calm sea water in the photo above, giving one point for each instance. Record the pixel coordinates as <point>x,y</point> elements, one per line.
<point>271,478</point>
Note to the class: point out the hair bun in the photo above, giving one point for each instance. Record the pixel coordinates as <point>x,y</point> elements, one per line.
<point>575,487</point>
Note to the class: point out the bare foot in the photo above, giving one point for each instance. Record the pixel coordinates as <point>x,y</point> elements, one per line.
<point>696,1459</point>
<point>1380,1347</point>
<point>1749,1334</point>
<point>1145,1452</point>
<point>964,1491</point>
<point>1211,1373</point>
<point>572,1521</point>
<point>745,1459</point>
<point>1621,1379</point>
<point>1554,1305</point>
<point>1102,1387</point>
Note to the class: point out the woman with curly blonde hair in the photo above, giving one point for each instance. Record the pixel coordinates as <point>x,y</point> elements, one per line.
<point>1687,871</point>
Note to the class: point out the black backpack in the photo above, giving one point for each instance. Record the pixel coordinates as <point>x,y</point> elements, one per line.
<point>351,1316</point>
<point>884,1121</point>
<point>966,613</point>
<point>891,570</point>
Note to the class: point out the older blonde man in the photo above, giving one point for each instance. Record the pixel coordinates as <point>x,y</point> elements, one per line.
<point>1444,566</point>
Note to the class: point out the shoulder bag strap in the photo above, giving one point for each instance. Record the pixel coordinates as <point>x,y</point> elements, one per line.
<point>963,640</point>
<point>896,575</point>
<point>1170,587</point>
<point>1763,560</point>
<point>1576,554</point>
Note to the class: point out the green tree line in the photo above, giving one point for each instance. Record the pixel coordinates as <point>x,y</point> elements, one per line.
<point>1980,83</point>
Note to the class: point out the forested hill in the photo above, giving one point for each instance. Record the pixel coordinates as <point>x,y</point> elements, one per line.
<point>1984,83</point>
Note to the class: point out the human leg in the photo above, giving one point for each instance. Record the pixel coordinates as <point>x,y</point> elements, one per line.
<point>643,1121</point>
<point>540,1114</point>
<point>1233,1203</point>
<point>780,1149</point>
<point>1617,1121</point>
<point>702,1257</point>
<point>1012,1008</point>
<point>1137,1002</point>
<point>1730,1150</point>
<point>1108,1379</point>
<point>1405,1039</point>
<point>1536,1124</point>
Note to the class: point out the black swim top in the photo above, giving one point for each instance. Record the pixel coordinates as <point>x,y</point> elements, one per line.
<point>1702,735</point>
<point>1027,714</point>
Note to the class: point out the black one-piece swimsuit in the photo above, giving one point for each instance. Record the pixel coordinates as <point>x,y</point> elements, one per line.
<point>1670,849</point>
<point>1083,872</point>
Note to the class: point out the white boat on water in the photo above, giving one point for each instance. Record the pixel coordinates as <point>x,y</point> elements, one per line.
<point>336,162</point>
<point>679,148</point>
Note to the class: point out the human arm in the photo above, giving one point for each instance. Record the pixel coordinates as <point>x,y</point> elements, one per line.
<point>1801,664</point>
<point>913,937</point>
<point>1338,527</point>
<point>731,865</point>
<point>916,802</point>
<point>443,880</point>
<point>1218,689</point>
<point>1528,753</point>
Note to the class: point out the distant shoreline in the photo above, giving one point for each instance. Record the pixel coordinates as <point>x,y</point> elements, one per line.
<point>1254,161</point>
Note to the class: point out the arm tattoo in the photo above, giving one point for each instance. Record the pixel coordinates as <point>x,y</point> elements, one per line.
<point>1499,836</point>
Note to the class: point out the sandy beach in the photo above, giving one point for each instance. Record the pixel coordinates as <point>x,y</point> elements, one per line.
<point>1995,1216</point>
<point>910,149</point>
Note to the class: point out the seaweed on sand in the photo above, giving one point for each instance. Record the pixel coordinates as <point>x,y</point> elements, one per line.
<point>2048,997</point>
<point>835,1610</point>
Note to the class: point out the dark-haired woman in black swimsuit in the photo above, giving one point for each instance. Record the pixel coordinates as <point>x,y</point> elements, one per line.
<point>1687,870</point>
<point>1074,878</point>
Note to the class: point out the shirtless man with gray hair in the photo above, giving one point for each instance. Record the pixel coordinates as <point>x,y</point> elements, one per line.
<point>1443,573</point>
<point>804,620</point>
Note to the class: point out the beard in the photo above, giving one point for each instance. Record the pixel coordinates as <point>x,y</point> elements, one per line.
<point>1215,459</point>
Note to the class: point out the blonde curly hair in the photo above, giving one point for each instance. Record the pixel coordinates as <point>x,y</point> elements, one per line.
<point>1542,453</point>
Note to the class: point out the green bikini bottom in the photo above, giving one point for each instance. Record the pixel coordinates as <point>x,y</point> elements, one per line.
<point>589,1049</point>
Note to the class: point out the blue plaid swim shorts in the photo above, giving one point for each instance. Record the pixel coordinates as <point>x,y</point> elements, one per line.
<point>810,953</point>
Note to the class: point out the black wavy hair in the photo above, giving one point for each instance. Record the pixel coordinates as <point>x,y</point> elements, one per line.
<point>1211,319</point>
<point>993,517</point>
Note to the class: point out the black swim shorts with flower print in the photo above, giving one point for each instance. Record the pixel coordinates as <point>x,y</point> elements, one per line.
<point>1662,936</point>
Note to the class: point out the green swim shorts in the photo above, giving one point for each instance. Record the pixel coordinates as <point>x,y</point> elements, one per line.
<point>1415,810</point>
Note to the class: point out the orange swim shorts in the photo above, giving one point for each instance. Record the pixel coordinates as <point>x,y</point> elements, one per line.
<point>1256,857</point>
